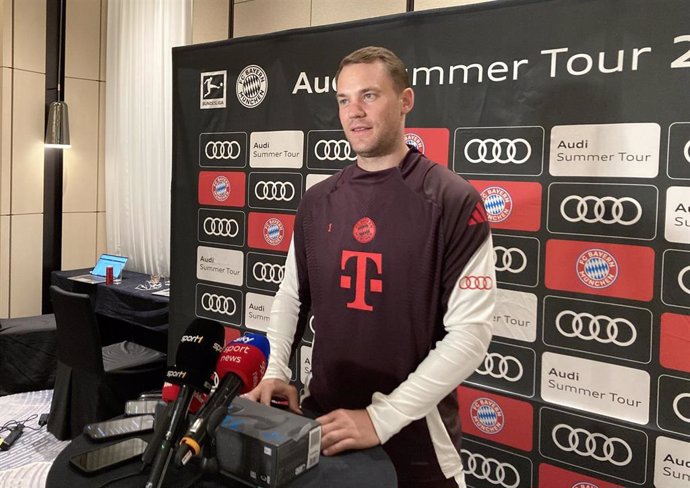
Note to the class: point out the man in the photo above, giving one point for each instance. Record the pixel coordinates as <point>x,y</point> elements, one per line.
<point>387,255</point>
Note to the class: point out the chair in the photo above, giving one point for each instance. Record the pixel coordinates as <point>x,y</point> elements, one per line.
<point>93,382</point>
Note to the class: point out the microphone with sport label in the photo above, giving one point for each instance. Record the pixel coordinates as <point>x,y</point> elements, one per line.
<point>194,362</point>
<point>169,394</point>
<point>240,367</point>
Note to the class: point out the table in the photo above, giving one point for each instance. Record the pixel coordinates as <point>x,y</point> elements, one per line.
<point>124,312</point>
<point>27,354</point>
<point>370,468</point>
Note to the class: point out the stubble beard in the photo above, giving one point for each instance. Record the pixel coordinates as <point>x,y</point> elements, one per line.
<point>385,145</point>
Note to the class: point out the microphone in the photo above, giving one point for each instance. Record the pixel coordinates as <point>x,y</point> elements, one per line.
<point>196,356</point>
<point>169,394</point>
<point>241,366</point>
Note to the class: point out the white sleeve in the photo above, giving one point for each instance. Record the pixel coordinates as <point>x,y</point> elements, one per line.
<point>283,323</point>
<point>468,324</point>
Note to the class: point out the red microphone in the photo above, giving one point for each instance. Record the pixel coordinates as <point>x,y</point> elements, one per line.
<point>171,391</point>
<point>240,367</point>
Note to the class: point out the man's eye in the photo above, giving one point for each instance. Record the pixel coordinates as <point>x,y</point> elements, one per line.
<point>342,101</point>
<point>369,96</point>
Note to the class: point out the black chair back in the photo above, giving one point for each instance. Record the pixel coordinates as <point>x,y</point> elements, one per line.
<point>78,336</point>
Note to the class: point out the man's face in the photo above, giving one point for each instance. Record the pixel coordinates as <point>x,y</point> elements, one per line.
<point>371,110</point>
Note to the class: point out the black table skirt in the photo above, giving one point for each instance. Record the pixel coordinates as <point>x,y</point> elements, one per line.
<point>27,354</point>
<point>370,468</point>
<point>124,312</point>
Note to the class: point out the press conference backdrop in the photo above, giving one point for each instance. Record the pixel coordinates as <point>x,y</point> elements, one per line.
<point>572,119</point>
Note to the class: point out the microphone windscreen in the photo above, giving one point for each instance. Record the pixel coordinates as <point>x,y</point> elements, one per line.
<point>170,392</point>
<point>245,360</point>
<point>257,340</point>
<point>197,354</point>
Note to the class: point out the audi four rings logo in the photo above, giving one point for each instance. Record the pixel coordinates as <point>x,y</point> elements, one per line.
<point>501,151</point>
<point>575,327</point>
<point>676,401</point>
<point>506,257</point>
<point>282,191</point>
<point>334,150</point>
<point>218,303</point>
<point>475,283</point>
<point>222,227</point>
<point>268,273</point>
<point>493,360</point>
<point>681,281</point>
<point>491,470</point>
<point>686,151</point>
<point>596,445</point>
<point>222,149</point>
<point>616,206</point>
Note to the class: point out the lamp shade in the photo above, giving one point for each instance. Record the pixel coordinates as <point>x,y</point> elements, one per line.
<point>57,133</point>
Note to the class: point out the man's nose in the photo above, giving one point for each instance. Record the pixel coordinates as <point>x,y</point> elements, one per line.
<point>355,110</point>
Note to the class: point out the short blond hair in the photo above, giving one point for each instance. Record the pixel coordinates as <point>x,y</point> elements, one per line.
<point>370,54</point>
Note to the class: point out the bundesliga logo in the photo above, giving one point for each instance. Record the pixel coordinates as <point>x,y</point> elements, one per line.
<point>412,139</point>
<point>274,232</point>
<point>364,230</point>
<point>221,188</point>
<point>487,415</point>
<point>212,89</point>
<point>596,268</point>
<point>251,86</point>
<point>498,203</point>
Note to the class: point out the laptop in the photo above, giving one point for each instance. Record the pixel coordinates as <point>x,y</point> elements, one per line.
<point>97,274</point>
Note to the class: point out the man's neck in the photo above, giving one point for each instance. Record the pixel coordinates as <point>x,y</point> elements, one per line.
<point>381,163</point>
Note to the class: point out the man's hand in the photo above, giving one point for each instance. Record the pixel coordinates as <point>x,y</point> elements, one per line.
<point>270,388</point>
<point>346,429</point>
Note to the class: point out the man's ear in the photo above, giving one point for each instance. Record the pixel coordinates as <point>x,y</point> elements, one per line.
<point>407,100</point>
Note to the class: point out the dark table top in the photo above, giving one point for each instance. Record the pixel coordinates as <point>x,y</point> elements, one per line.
<point>123,301</point>
<point>370,468</point>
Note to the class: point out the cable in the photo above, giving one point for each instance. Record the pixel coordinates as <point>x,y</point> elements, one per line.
<point>10,424</point>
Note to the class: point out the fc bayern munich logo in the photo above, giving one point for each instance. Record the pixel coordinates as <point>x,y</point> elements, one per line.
<point>596,268</point>
<point>364,230</point>
<point>487,415</point>
<point>498,203</point>
<point>251,86</point>
<point>274,232</point>
<point>412,139</point>
<point>584,484</point>
<point>221,188</point>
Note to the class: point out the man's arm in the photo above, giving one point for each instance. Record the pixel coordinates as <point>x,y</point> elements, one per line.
<point>284,317</point>
<point>468,324</point>
<point>283,326</point>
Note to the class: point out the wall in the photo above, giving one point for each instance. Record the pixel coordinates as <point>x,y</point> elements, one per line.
<point>83,218</point>
<point>261,16</point>
<point>22,130</point>
<point>22,102</point>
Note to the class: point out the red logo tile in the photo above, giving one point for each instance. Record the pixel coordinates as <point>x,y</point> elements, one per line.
<point>511,205</point>
<point>432,142</point>
<point>675,342</point>
<point>553,477</point>
<point>596,268</point>
<point>222,188</point>
<point>496,418</point>
<point>271,231</point>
